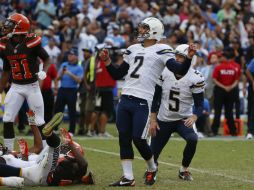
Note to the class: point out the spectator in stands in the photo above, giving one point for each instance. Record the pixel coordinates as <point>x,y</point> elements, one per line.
<point>115,39</point>
<point>45,12</point>
<point>70,74</point>
<point>227,12</point>
<point>86,40</point>
<point>96,8</point>
<point>53,51</point>
<point>171,20</point>
<point>210,17</point>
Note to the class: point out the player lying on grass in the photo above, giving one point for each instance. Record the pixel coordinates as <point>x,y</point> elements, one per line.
<point>50,168</point>
<point>174,98</point>
<point>15,158</point>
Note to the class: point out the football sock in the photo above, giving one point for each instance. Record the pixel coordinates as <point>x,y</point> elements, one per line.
<point>12,181</point>
<point>127,169</point>
<point>53,140</point>
<point>9,143</point>
<point>151,165</point>
<point>6,171</point>
<point>44,143</point>
<point>183,169</point>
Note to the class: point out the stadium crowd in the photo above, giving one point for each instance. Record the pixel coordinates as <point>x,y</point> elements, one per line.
<point>223,30</point>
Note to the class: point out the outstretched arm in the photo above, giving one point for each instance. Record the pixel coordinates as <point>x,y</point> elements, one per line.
<point>118,72</point>
<point>79,157</point>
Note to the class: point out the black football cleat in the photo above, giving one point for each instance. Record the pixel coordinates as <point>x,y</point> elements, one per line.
<point>186,175</point>
<point>150,177</point>
<point>123,182</point>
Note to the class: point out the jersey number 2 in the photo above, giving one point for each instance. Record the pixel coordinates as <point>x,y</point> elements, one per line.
<point>17,72</point>
<point>174,97</point>
<point>140,60</point>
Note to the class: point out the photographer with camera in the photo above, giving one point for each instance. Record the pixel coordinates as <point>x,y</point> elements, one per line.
<point>104,85</point>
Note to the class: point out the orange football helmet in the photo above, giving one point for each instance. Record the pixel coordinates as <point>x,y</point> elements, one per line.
<point>16,24</point>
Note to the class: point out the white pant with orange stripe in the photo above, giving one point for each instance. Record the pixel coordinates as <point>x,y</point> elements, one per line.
<point>15,98</point>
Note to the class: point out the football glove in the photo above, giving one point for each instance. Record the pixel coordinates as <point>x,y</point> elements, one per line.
<point>41,75</point>
<point>31,118</point>
<point>3,149</point>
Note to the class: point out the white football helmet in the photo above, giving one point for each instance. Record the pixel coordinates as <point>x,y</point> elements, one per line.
<point>155,29</point>
<point>182,50</point>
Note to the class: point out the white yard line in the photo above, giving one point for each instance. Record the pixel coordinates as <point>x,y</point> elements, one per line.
<point>177,166</point>
<point>80,138</point>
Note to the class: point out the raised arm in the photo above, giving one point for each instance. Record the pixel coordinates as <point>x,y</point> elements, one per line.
<point>182,68</point>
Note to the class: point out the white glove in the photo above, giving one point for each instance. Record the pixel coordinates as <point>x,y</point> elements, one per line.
<point>31,118</point>
<point>41,75</point>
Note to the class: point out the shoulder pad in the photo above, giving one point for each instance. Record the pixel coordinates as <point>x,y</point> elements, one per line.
<point>33,40</point>
<point>198,75</point>
<point>127,52</point>
<point>197,79</point>
<point>3,42</point>
<point>165,51</point>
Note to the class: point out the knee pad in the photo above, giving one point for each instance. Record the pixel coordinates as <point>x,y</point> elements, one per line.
<point>192,138</point>
<point>143,148</point>
<point>126,150</point>
<point>8,117</point>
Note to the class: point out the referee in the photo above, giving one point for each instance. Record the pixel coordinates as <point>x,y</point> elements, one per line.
<point>226,78</point>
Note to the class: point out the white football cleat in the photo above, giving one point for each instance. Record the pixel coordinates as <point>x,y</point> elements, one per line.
<point>13,181</point>
<point>200,135</point>
<point>249,136</point>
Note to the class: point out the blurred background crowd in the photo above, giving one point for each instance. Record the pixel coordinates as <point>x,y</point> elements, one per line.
<point>223,30</point>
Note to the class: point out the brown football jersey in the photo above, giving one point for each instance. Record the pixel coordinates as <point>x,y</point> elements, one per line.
<point>22,59</point>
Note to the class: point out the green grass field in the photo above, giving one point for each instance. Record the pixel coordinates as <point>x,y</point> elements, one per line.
<point>219,163</point>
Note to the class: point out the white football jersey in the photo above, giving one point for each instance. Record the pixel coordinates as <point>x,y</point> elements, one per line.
<point>177,101</point>
<point>146,65</point>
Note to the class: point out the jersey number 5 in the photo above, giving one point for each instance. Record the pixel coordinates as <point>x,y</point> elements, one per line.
<point>16,69</point>
<point>174,98</point>
<point>140,60</point>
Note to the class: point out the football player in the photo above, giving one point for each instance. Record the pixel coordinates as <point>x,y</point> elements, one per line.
<point>20,51</point>
<point>143,64</point>
<point>174,98</point>
<point>68,168</point>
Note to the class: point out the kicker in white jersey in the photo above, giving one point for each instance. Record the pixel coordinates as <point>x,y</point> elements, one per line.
<point>146,64</point>
<point>177,101</point>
